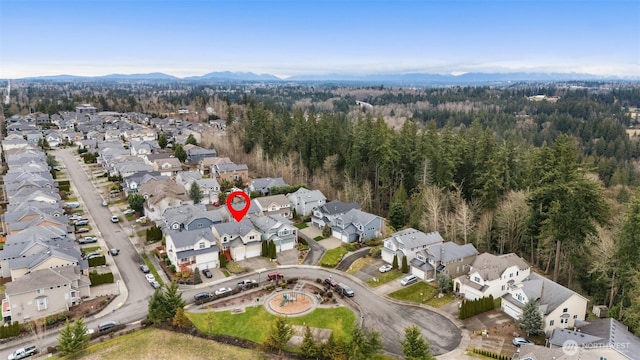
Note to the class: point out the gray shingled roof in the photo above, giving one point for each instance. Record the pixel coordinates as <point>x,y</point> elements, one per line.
<point>189,238</point>
<point>551,294</point>
<point>614,333</point>
<point>492,266</point>
<point>233,228</point>
<point>412,238</point>
<point>337,207</point>
<point>264,184</point>
<point>560,336</point>
<point>43,278</point>
<point>265,201</point>
<point>450,251</point>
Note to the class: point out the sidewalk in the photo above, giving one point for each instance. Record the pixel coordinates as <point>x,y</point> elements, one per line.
<point>115,304</point>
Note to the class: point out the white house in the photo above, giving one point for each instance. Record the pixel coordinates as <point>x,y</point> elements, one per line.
<point>238,240</point>
<point>492,275</point>
<point>407,242</point>
<point>305,200</point>
<point>278,229</point>
<point>560,307</point>
<point>196,248</point>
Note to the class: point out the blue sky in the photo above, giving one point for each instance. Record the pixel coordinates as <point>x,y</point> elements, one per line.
<point>282,37</point>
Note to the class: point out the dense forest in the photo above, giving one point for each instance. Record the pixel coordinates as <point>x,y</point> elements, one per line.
<point>552,180</point>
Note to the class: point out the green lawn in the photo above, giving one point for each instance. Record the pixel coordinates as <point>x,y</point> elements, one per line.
<point>359,264</point>
<point>255,322</point>
<point>234,268</point>
<point>152,268</point>
<point>419,292</point>
<point>384,278</point>
<point>332,257</point>
<point>161,344</point>
<point>302,226</point>
<point>318,238</point>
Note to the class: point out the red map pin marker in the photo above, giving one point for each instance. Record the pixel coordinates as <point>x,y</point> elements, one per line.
<point>238,214</point>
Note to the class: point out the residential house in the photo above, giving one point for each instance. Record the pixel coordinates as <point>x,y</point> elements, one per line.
<point>492,275</point>
<point>196,153</point>
<point>231,172</point>
<point>277,229</point>
<point>209,188</point>
<point>37,221</point>
<point>238,240</point>
<point>264,185</point>
<point>192,249</point>
<point>190,217</point>
<point>167,166</point>
<point>274,205</point>
<point>605,337</point>
<point>326,214</point>
<point>560,307</point>
<point>142,147</point>
<point>23,254</point>
<point>357,226</point>
<point>46,292</point>
<point>206,166</point>
<point>162,194</point>
<point>132,182</point>
<point>407,243</point>
<point>305,200</point>
<point>54,138</point>
<point>446,258</point>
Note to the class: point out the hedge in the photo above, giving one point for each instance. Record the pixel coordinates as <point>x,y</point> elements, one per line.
<point>97,261</point>
<point>490,354</point>
<point>469,308</point>
<point>98,279</point>
<point>8,331</point>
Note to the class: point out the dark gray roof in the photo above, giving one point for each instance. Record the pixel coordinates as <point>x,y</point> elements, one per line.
<point>414,239</point>
<point>560,336</point>
<point>450,251</point>
<point>551,294</point>
<point>234,228</point>
<point>190,238</point>
<point>615,334</point>
<point>44,278</point>
<point>192,252</point>
<point>492,266</point>
<point>337,207</point>
<point>415,262</point>
<point>264,184</point>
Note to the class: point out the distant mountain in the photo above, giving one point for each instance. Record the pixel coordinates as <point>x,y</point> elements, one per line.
<point>473,78</point>
<point>237,76</point>
<point>149,76</point>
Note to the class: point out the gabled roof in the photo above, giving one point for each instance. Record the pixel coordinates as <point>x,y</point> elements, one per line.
<point>235,229</point>
<point>491,267</point>
<point>449,251</point>
<point>356,216</point>
<point>264,184</point>
<point>308,196</point>
<point>265,201</point>
<point>337,207</point>
<point>614,333</point>
<point>551,294</point>
<point>412,238</point>
<point>227,167</point>
<point>269,223</point>
<point>559,336</point>
<point>49,232</point>
<point>43,278</point>
<point>190,238</point>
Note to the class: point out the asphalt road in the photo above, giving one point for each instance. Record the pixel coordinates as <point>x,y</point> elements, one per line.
<point>376,313</point>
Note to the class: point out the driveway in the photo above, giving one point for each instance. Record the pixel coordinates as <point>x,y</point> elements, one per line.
<point>315,250</point>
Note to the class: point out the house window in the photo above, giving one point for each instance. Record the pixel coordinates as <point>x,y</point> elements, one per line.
<point>517,273</point>
<point>200,226</point>
<point>40,291</point>
<point>510,275</point>
<point>41,304</point>
<point>251,237</point>
<point>565,310</point>
<point>551,323</point>
<point>224,239</point>
<point>201,245</point>
<point>575,317</point>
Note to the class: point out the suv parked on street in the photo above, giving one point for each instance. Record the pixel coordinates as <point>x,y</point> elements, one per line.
<point>344,290</point>
<point>275,276</point>
<point>23,352</point>
<point>108,325</point>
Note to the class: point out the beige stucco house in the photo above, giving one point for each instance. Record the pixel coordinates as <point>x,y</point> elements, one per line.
<point>492,275</point>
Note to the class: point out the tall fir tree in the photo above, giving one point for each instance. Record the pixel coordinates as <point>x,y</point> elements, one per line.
<point>531,319</point>
<point>414,345</point>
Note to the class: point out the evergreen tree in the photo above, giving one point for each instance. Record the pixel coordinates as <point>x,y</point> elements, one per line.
<point>222,258</point>
<point>326,231</point>
<point>531,319</point>
<point>444,283</point>
<point>179,153</point>
<point>364,344</point>
<point>191,140</point>
<point>73,337</point>
<point>308,347</point>
<point>195,193</point>
<point>164,303</point>
<point>136,202</point>
<point>180,320</point>
<point>265,249</point>
<point>414,345</point>
<point>272,250</point>
<point>405,265</point>
<point>394,263</point>
<point>397,217</point>
<point>280,333</point>
<point>162,141</point>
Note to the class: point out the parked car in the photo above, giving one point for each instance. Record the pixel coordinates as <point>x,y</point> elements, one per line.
<point>82,230</point>
<point>385,268</point>
<point>248,282</point>
<point>92,255</point>
<point>207,273</point>
<point>114,252</point>
<point>82,222</point>
<point>409,279</point>
<point>202,295</point>
<point>144,268</point>
<point>114,219</point>
<point>24,352</point>
<point>74,217</point>
<point>107,325</point>
<point>155,284</point>
<point>105,203</point>
<point>142,220</point>
<point>274,276</point>
<point>73,204</point>
<point>344,290</point>
<point>222,290</point>
<point>330,282</point>
<point>128,211</point>
<point>522,341</point>
<point>88,240</point>
<point>150,277</point>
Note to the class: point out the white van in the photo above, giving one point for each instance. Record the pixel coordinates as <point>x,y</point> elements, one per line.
<point>410,279</point>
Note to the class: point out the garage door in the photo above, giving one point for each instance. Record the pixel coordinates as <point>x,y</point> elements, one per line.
<point>253,251</point>
<point>417,272</point>
<point>510,311</point>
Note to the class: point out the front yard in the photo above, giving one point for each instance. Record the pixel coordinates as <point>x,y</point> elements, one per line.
<point>332,257</point>
<point>422,293</point>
